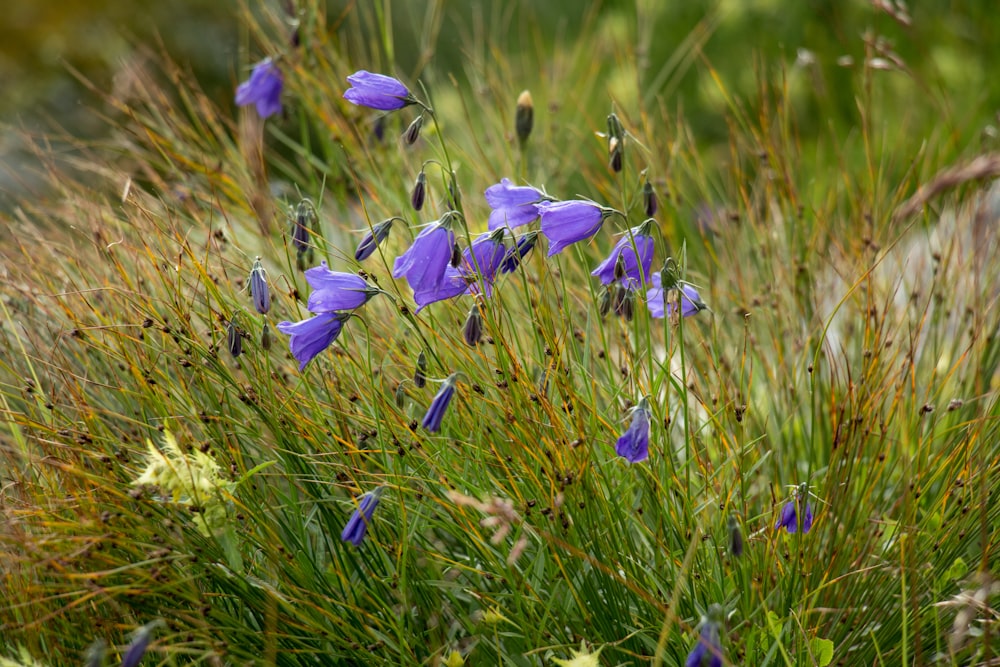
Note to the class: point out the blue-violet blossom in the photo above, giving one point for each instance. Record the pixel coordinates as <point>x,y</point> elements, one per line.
<point>262,89</point>
<point>513,205</point>
<point>789,515</point>
<point>691,302</point>
<point>377,91</point>
<point>259,290</point>
<point>634,270</point>
<point>312,336</point>
<point>633,445</point>
<point>566,222</point>
<point>480,262</point>
<point>424,263</point>
<point>356,527</point>
<point>335,290</point>
<point>435,413</point>
<point>708,647</point>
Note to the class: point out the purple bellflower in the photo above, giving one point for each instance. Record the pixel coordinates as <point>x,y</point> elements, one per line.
<point>480,262</point>
<point>377,91</point>
<point>633,271</point>
<point>708,650</point>
<point>424,263</point>
<point>789,513</point>
<point>312,336</point>
<point>435,413</point>
<point>356,527</point>
<point>525,244</point>
<point>513,205</point>
<point>688,296</point>
<point>335,290</point>
<point>140,642</point>
<point>634,443</point>
<point>566,222</point>
<point>262,89</point>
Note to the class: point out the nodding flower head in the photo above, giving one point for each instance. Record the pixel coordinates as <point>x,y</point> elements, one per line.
<point>311,336</point>
<point>262,89</point>
<point>525,244</point>
<point>661,303</point>
<point>789,517</point>
<point>512,205</point>
<point>356,527</point>
<point>708,650</point>
<point>424,263</point>
<point>566,222</point>
<point>259,290</point>
<point>633,445</point>
<point>336,291</point>
<point>630,259</point>
<point>435,413</point>
<point>377,91</point>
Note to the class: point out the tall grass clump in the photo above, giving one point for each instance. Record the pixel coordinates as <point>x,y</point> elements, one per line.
<point>308,382</point>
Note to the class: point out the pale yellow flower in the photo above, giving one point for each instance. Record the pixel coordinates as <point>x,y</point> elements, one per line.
<point>581,658</point>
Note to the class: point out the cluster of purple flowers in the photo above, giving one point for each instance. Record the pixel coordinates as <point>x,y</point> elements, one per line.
<point>334,296</point>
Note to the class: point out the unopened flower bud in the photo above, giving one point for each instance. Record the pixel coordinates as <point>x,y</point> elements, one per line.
<point>473,330</point>
<point>524,117</point>
<point>413,131</point>
<point>624,303</point>
<point>735,537</point>
<point>371,240</point>
<point>266,338</point>
<point>400,396</point>
<point>420,373</point>
<point>259,291</point>
<point>454,194</point>
<point>305,218</point>
<point>419,191</point>
<point>615,154</point>
<point>649,201</point>
<point>456,255</point>
<point>234,339</point>
<point>605,306</point>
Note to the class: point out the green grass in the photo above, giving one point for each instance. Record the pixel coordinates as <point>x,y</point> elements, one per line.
<point>844,349</point>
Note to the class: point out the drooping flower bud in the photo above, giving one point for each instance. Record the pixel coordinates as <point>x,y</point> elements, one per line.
<point>259,290</point>
<point>616,143</point>
<point>419,191</point>
<point>372,239</point>
<point>412,132</point>
<point>400,395</point>
<point>472,332</point>
<point>234,339</point>
<point>524,117</point>
<point>454,194</point>
<point>735,537</point>
<point>456,255</point>
<point>420,372</point>
<point>304,223</point>
<point>649,201</point>
<point>266,338</point>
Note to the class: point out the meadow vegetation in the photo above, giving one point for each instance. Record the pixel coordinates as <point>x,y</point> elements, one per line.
<point>168,464</point>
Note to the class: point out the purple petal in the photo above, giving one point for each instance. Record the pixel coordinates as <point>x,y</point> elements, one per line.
<point>567,222</point>
<point>262,89</point>
<point>311,336</point>
<point>512,205</point>
<point>424,263</point>
<point>377,91</point>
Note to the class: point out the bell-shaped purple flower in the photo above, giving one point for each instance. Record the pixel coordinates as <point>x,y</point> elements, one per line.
<point>633,446</point>
<point>424,263</point>
<point>356,527</point>
<point>483,261</point>
<point>708,650</point>
<point>454,284</point>
<point>377,91</point>
<point>525,244</point>
<point>566,222</point>
<point>435,413</point>
<point>336,291</point>
<point>624,264</point>
<point>140,642</point>
<point>789,515</point>
<point>512,205</point>
<point>688,296</point>
<point>313,335</point>
<point>262,89</point>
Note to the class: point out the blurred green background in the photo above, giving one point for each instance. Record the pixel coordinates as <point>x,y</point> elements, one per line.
<point>934,59</point>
